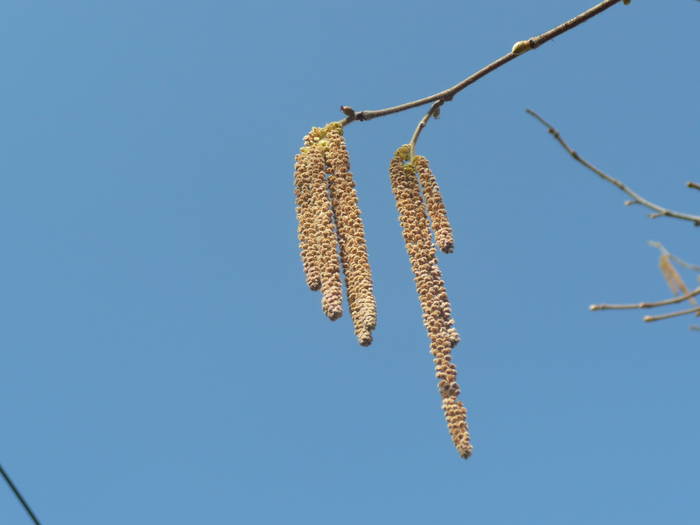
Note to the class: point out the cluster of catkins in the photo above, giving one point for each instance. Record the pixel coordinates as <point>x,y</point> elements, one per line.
<point>329,222</point>
<point>420,205</point>
<point>329,218</point>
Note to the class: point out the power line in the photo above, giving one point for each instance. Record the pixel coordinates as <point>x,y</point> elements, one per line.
<point>19,496</point>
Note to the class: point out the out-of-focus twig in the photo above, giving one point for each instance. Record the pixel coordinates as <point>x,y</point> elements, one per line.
<point>650,318</point>
<point>647,304</point>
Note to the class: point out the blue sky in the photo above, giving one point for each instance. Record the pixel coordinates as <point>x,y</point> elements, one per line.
<point>162,361</point>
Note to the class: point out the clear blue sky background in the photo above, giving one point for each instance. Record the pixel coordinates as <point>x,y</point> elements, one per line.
<point>162,361</point>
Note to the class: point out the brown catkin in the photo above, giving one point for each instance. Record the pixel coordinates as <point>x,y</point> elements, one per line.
<point>435,205</point>
<point>437,312</point>
<point>306,220</point>
<point>326,239</point>
<point>351,235</point>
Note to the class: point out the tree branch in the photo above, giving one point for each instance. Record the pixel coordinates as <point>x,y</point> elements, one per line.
<point>650,318</point>
<point>637,199</point>
<point>434,111</point>
<point>519,48</point>
<point>650,304</point>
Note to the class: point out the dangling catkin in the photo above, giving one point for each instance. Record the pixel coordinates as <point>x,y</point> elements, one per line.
<point>306,219</point>
<point>351,235</point>
<point>673,278</point>
<point>317,237</point>
<point>331,286</point>
<point>434,205</point>
<point>437,312</point>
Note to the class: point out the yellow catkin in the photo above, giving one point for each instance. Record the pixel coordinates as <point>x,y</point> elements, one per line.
<point>673,278</point>
<point>351,235</point>
<point>435,205</point>
<point>306,220</point>
<point>437,312</point>
<point>671,275</point>
<point>326,244</point>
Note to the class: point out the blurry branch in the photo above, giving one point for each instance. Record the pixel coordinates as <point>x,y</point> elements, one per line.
<point>518,49</point>
<point>693,267</point>
<point>659,211</point>
<point>676,284</point>
<point>650,304</point>
<point>693,185</point>
<point>19,496</point>
<point>650,318</point>
<point>674,281</point>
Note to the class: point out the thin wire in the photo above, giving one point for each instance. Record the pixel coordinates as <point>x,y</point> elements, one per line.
<point>19,496</point>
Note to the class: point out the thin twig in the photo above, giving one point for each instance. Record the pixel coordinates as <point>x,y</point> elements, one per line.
<point>434,111</point>
<point>518,49</point>
<point>650,318</point>
<point>18,495</point>
<point>693,267</point>
<point>649,304</point>
<point>693,185</point>
<point>638,199</point>
<point>659,246</point>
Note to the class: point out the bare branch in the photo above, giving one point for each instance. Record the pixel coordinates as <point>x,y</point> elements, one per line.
<point>659,211</point>
<point>650,318</point>
<point>519,48</point>
<point>693,185</point>
<point>650,304</point>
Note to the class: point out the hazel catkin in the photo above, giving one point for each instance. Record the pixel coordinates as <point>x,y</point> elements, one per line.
<point>331,286</point>
<point>435,205</point>
<point>317,236</point>
<point>432,295</point>
<point>330,226</point>
<point>351,236</point>
<point>306,218</point>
